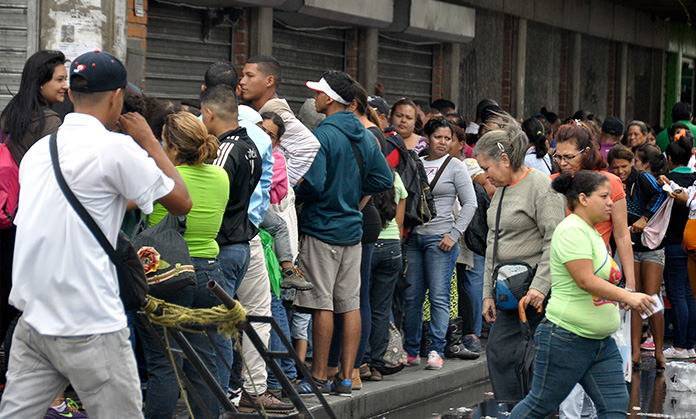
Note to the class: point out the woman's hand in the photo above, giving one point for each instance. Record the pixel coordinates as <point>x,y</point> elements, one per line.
<point>662,180</point>
<point>446,244</point>
<point>639,225</point>
<point>489,310</point>
<point>534,298</point>
<point>640,302</point>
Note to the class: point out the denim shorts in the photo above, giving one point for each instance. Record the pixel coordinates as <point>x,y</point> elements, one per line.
<point>655,256</point>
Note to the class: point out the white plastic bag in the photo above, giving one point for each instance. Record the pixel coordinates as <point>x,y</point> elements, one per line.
<point>623,342</point>
<point>680,376</point>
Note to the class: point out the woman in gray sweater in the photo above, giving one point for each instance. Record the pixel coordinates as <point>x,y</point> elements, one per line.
<point>432,249</point>
<point>530,212</point>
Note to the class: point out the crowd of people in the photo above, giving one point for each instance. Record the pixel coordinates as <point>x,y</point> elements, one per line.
<point>385,221</point>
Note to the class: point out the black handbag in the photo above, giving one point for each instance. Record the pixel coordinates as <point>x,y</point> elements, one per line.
<point>511,280</point>
<point>131,275</point>
<point>165,256</point>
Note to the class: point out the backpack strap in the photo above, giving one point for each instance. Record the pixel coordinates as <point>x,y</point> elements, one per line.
<point>439,172</point>
<point>359,159</point>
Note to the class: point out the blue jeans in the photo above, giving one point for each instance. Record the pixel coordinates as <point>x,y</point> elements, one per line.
<point>473,284</point>
<point>234,261</point>
<point>680,296</point>
<point>163,389</point>
<point>365,313</point>
<point>386,268</point>
<point>288,365</point>
<point>428,268</point>
<point>596,365</point>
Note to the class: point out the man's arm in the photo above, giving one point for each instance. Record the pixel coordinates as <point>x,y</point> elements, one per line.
<point>178,201</point>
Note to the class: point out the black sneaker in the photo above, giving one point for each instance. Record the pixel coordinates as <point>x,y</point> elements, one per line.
<point>342,387</point>
<point>303,387</point>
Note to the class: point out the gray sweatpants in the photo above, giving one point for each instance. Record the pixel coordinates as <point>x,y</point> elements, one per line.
<point>276,227</point>
<point>101,368</point>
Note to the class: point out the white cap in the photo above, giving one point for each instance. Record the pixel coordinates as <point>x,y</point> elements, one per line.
<point>323,86</point>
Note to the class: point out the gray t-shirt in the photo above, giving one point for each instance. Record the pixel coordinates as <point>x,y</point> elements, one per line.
<point>454,183</point>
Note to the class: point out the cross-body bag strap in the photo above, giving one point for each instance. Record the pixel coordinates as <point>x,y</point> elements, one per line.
<point>77,206</point>
<point>497,226</point>
<point>439,172</point>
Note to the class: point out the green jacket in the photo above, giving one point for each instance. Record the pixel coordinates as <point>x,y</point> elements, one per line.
<point>662,139</point>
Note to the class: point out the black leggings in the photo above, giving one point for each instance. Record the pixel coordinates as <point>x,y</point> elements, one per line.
<point>466,311</point>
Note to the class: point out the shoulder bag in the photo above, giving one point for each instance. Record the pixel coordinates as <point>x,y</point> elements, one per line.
<point>511,280</point>
<point>131,275</point>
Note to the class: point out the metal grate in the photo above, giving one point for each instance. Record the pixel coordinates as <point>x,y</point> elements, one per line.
<point>177,57</point>
<point>405,69</point>
<point>306,55</point>
<point>13,47</point>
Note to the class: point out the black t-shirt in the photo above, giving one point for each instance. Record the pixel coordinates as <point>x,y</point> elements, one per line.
<point>381,139</point>
<point>241,160</point>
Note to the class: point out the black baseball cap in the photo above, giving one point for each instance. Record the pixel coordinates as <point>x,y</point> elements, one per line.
<point>379,104</point>
<point>613,125</point>
<point>102,71</point>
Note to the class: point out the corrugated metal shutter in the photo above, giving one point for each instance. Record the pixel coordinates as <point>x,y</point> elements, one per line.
<point>306,55</point>
<point>177,58</point>
<point>13,47</point>
<point>405,69</point>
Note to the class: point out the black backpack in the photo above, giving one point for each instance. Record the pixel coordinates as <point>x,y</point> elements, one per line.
<point>420,205</point>
<point>476,234</point>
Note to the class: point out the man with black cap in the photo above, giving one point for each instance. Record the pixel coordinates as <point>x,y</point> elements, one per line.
<point>681,112</point>
<point>612,133</point>
<point>74,328</point>
<point>348,166</point>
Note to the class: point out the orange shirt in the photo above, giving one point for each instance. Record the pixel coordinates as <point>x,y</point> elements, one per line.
<point>617,192</point>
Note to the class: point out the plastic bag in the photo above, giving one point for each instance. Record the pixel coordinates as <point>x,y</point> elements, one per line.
<point>680,376</point>
<point>272,264</point>
<point>622,336</point>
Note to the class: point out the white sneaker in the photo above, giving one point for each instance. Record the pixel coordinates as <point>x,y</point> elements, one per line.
<point>692,353</point>
<point>434,361</point>
<point>671,353</point>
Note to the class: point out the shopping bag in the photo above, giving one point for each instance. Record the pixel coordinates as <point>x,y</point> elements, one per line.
<point>622,336</point>
<point>655,229</point>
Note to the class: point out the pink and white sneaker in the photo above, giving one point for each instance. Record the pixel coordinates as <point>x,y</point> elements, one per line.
<point>648,345</point>
<point>434,361</point>
<point>412,361</point>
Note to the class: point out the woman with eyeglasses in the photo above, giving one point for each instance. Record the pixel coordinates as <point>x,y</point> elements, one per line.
<point>529,213</point>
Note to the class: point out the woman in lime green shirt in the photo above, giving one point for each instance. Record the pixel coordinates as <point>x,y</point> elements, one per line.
<point>574,343</point>
<point>188,145</point>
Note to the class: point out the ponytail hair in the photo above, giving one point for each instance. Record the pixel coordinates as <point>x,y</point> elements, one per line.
<point>535,133</point>
<point>680,150</point>
<point>650,153</point>
<point>510,139</point>
<point>187,134</point>
<point>584,181</point>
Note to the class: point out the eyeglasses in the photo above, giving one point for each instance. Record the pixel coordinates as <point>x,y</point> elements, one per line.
<point>560,158</point>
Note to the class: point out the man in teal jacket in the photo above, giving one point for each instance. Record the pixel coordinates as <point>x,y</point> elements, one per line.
<point>681,112</point>
<point>348,166</point>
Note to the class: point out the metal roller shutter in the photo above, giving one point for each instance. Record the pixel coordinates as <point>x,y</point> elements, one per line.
<point>405,69</point>
<point>177,58</point>
<point>306,55</point>
<point>13,47</point>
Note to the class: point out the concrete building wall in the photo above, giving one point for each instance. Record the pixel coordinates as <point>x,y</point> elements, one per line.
<point>638,91</point>
<point>543,68</point>
<point>480,70</point>
<point>594,77</point>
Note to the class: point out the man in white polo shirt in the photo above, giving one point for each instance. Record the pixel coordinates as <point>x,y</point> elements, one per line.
<point>73,327</point>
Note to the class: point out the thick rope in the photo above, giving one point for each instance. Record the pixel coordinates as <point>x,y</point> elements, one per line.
<point>171,315</point>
